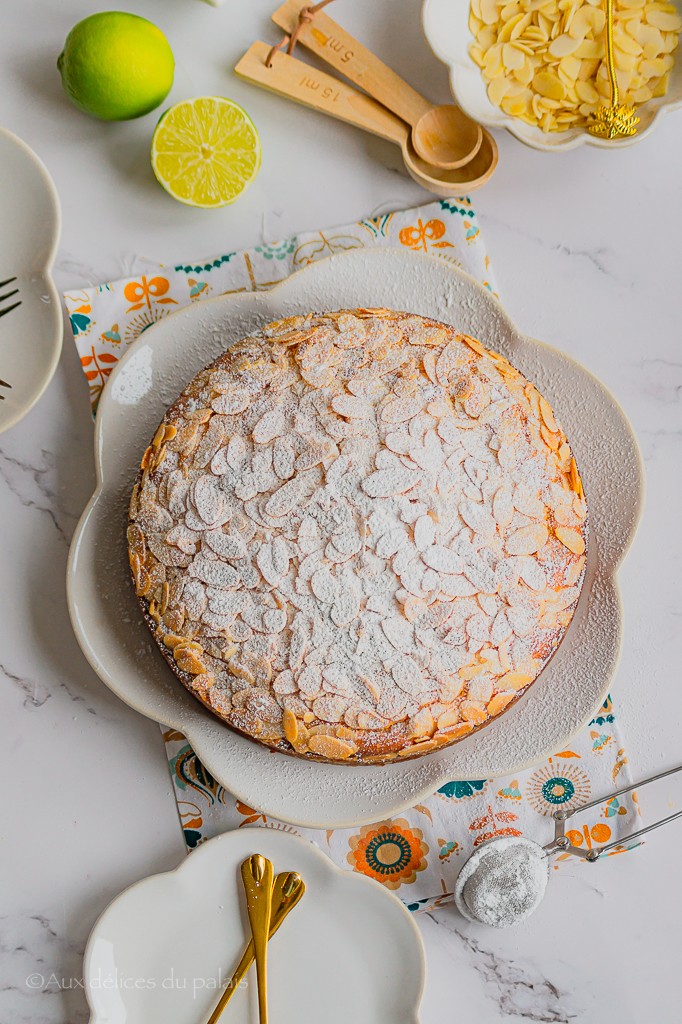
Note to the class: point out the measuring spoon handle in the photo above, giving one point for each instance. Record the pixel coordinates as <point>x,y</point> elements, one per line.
<point>295,80</point>
<point>337,47</point>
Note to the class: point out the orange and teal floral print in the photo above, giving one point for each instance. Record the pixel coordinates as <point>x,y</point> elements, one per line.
<point>613,807</point>
<point>144,291</point>
<point>97,367</point>
<point>461,206</point>
<point>278,250</point>
<point>188,772</point>
<point>425,236</point>
<point>80,321</point>
<point>600,740</point>
<point>322,245</point>
<point>192,823</point>
<point>605,716</point>
<point>204,268</point>
<point>446,849</point>
<point>250,816</point>
<point>112,335</point>
<point>141,322</point>
<point>196,288</point>
<point>492,824</point>
<point>391,852</point>
<point>510,792</point>
<point>600,833</point>
<point>377,226</point>
<point>554,786</point>
<point>462,790</point>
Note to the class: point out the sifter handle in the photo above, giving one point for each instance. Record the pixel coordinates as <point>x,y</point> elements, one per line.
<point>562,843</point>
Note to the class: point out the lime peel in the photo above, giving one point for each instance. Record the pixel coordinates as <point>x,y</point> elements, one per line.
<point>116,66</point>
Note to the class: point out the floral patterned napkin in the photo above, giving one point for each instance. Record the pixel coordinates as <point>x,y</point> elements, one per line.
<point>418,854</point>
<point>108,318</point>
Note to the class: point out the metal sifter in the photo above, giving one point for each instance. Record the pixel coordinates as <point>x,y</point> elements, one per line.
<point>504,880</point>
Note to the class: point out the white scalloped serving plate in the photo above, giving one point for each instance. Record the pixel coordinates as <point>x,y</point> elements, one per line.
<point>164,948</point>
<point>446,27</point>
<point>30,224</point>
<point>115,638</point>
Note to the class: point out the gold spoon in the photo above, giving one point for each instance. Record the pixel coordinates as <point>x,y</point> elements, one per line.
<point>617,119</point>
<point>442,136</point>
<point>257,877</point>
<point>286,893</point>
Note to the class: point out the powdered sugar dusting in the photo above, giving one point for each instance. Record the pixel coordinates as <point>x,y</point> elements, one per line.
<point>388,500</point>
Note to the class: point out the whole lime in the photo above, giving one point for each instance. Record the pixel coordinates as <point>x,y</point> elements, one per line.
<point>116,65</point>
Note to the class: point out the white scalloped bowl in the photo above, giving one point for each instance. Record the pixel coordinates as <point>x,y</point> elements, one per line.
<point>446,27</point>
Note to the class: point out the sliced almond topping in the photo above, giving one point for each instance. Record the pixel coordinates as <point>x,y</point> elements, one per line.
<point>414,608</point>
<point>473,712</point>
<point>442,559</point>
<point>571,539</point>
<point>271,425</point>
<point>189,660</point>
<point>527,540</point>
<point>574,478</point>
<point>459,730</point>
<point>499,703</point>
<point>399,410</point>
<point>548,415</point>
<point>291,725</point>
<point>513,681</point>
<point>429,364</point>
<point>234,402</point>
<point>331,747</point>
<point>449,360</point>
<point>448,718</point>
<point>351,407</point>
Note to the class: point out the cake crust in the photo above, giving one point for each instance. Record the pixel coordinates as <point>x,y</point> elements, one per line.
<point>358,536</point>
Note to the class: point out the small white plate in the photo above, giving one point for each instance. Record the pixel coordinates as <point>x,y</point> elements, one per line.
<point>115,638</point>
<point>30,224</point>
<point>446,27</point>
<point>349,951</point>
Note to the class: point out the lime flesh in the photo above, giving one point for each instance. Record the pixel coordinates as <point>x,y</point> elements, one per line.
<point>206,151</point>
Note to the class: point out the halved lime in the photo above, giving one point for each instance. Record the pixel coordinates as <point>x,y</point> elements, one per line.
<point>206,151</point>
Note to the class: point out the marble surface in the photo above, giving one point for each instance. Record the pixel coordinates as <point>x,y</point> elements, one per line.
<point>585,251</point>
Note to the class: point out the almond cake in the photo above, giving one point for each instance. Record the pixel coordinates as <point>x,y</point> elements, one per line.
<point>358,536</point>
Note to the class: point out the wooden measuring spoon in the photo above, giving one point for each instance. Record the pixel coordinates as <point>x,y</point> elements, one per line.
<point>443,136</point>
<point>295,80</point>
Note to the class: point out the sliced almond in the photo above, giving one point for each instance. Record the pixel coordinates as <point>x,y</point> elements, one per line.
<point>331,747</point>
<point>473,711</point>
<point>527,540</point>
<point>513,681</point>
<point>499,703</point>
<point>571,538</point>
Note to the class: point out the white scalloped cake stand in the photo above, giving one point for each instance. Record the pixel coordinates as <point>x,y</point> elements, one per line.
<point>161,951</point>
<point>115,638</point>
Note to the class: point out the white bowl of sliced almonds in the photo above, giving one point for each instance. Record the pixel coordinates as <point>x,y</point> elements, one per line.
<point>537,67</point>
